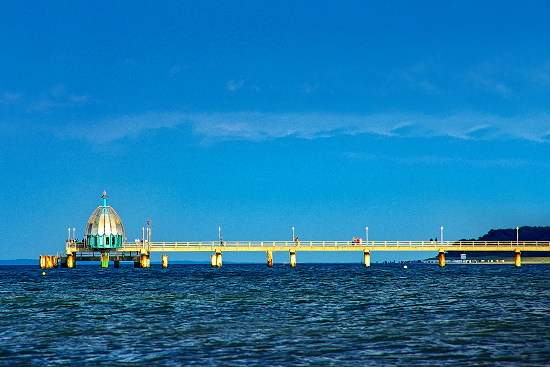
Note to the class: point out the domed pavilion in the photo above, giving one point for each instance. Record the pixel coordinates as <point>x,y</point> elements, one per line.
<point>104,229</point>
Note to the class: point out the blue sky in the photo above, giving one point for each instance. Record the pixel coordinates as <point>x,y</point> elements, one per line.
<point>257,116</point>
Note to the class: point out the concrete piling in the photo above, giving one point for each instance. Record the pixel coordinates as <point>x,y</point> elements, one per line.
<point>145,261</point>
<point>49,261</point>
<point>104,259</point>
<point>441,258</point>
<point>366,258</point>
<point>164,259</point>
<point>216,260</point>
<point>517,259</point>
<point>292,258</point>
<point>71,262</point>
<point>116,263</point>
<point>269,258</point>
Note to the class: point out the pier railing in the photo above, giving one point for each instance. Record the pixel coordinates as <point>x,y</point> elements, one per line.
<point>352,245</point>
<point>326,246</point>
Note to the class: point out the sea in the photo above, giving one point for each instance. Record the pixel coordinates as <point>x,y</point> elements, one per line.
<point>253,315</point>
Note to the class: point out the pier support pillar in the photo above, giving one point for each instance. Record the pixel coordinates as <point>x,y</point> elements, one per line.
<point>216,260</point>
<point>269,258</point>
<point>104,259</point>
<point>116,263</point>
<point>71,262</point>
<point>517,260</point>
<point>441,258</point>
<point>366,258</point>
<point>145,261</point>
<point>48,261</point>
<point>164,259</point>
<point>292,258</point>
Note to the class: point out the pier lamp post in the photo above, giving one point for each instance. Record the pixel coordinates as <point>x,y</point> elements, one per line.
<point>293,234</point>
<point>69,235</point>
<point>149,230</point>
<point>142,234</point>
<point>74,233</point>
<point>367,234</point>
<point>517,236</point>
<point>220,234</point>
<point>441,234</point>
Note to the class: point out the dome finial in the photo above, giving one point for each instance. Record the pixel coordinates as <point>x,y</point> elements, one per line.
<point>104,197</point>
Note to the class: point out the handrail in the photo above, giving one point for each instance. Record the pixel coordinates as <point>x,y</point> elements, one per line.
<point>457,244</point>
<point>259,245</point>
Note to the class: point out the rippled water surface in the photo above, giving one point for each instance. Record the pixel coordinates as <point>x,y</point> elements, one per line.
<point>338,315</point>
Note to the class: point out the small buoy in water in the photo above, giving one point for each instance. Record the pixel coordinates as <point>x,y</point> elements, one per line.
<point>405,267</point>
<point>43,273</point>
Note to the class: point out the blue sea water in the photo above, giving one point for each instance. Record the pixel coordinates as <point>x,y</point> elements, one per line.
<point>252,315</point>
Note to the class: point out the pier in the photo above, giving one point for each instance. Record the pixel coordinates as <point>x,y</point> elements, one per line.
<point>104,241</point>
<point>140,253</point>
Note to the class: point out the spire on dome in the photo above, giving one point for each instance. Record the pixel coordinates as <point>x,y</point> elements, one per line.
<point>104,197</point>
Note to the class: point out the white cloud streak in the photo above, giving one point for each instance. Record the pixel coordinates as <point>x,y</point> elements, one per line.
<point>257,126</point>
<point>444,160</point>
<point>57,97</point>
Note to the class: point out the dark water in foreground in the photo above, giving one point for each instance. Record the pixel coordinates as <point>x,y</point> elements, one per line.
<point>252,315</point>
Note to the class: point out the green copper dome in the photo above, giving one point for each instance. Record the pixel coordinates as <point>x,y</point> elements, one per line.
<point>104,229</point>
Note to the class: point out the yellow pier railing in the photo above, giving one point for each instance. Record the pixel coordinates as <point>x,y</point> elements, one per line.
<point>326,246</point>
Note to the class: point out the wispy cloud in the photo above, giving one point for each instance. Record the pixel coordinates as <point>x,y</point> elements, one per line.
<point>58,97</point>
<point>489,84</point>
<point>257,126</point>
<point>10,98</point>
<point>120,127</point>
<point>419,77</point>
<point>443,160</point>
<point>540,75</point>
<point>234,85</point>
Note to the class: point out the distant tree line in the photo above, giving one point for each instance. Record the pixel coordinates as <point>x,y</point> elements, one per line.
<point>526,233</point>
